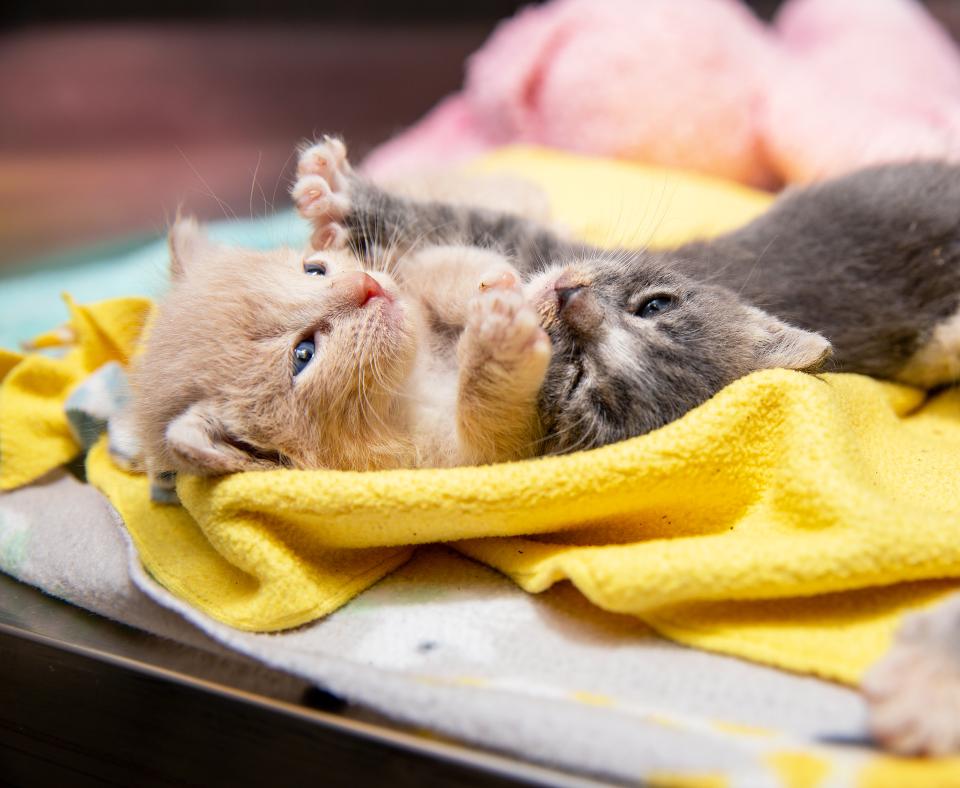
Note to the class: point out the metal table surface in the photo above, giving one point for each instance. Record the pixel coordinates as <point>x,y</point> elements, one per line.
<point>87,701</point>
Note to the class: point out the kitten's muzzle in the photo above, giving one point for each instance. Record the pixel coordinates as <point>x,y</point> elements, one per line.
<point>577,306</point>
<point>358,288</point>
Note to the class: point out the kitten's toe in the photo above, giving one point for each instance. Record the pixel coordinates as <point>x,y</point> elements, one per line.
<point>316,201</point>
<point>328,159</point>
<point>503,278</point>
<point>509,328</point>
<point>914,698</point>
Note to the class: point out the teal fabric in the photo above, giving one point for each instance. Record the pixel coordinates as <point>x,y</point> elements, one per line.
<point>30,298</point>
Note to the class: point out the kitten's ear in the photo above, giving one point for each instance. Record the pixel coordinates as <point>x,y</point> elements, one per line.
<point>201,442</point>
<point>187,241</point>
<point>779,344</point>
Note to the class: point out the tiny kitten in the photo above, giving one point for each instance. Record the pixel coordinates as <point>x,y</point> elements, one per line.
<point>265,359</point>
<point>870,260</point>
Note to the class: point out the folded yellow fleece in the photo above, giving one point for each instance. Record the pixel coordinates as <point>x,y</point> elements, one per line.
<point>791,519</point>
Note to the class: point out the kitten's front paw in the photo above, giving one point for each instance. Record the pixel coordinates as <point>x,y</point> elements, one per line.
<point>504,328</point>
<point>503,356</point>
<point>502,277</point>
<point>914,691</point>
<point>322,191</point>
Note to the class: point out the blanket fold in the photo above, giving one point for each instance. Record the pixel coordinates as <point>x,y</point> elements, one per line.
<point>792,519</point>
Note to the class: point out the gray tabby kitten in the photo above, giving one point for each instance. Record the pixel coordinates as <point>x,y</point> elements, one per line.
<point>871,261</point>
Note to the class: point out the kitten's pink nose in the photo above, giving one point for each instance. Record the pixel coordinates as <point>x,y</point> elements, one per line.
<point>362,287</point>
<point>370,288</point>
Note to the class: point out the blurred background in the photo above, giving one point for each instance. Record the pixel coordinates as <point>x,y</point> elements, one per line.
<point>114,114</point>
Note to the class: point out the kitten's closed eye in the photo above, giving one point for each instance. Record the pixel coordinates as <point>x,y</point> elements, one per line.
<point>651,307</point>
<point>303,355</point>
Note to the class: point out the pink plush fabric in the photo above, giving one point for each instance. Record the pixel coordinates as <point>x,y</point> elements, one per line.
<point>862,82</point>
<point>703,84</point>
<point>449,133</point>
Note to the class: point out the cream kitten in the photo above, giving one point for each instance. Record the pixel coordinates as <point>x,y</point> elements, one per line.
<point>266,359</point>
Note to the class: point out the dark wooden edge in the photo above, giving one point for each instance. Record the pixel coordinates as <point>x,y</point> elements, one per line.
<point>76,715</point>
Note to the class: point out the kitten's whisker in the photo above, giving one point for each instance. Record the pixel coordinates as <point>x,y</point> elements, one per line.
<point>279,178</point>
<point>227,210</point>
<point>645,245</point>
<point>551,436</point>
<point>756,263</point>
<point>253,180</point>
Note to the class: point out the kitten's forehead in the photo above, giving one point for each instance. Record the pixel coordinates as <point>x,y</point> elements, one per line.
<point>263,292</point>
<point>247,267</point>
<point>640,272</point>
<point>631,271</point>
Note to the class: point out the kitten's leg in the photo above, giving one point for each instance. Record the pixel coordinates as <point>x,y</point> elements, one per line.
<point>914,691</point>
<point>503,356</point>
<point>336,200</point>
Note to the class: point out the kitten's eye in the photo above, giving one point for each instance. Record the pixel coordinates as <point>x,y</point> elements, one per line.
<point>314,268</point>
<point>302,354</point>
<point>654,306</point>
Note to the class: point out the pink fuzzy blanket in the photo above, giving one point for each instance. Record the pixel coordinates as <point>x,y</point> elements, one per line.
<point>702,84</point>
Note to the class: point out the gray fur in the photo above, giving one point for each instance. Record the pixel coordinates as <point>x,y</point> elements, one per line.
<point>379,220</point>
<point>871,261</point>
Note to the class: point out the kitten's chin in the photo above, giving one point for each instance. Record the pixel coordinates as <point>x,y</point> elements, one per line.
<point>385,310</point>
<point>388,337</point>
<point>385,321</point>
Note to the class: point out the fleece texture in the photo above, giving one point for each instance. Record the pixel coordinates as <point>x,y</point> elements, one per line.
<point>792,519</point>
<point>447,646</point>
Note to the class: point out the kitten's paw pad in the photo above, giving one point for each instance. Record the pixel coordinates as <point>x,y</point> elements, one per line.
<point>502,278</point>
<point>507,327</point>
<point>327,159</point>
<point>914,699</point>
<point>321,191</point>
<point>317,201</point>
<point>324,209</point>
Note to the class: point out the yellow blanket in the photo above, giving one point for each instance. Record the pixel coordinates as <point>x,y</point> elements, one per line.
<point>791,519</point>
